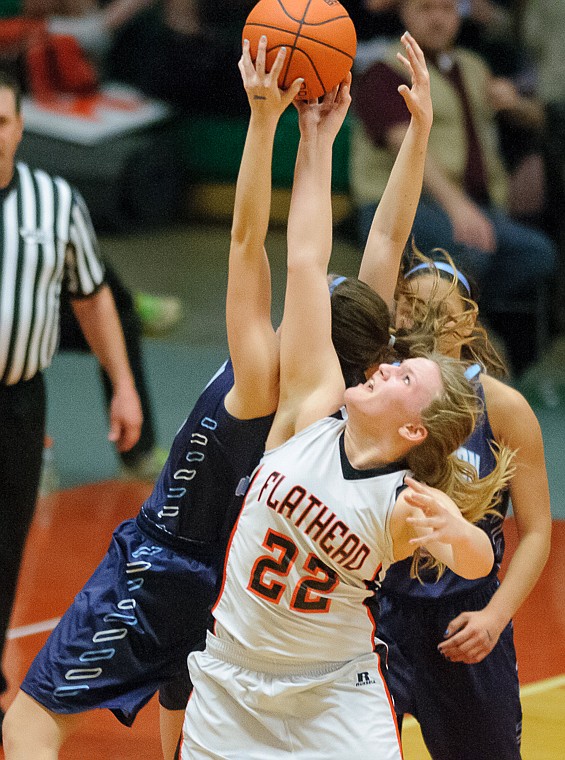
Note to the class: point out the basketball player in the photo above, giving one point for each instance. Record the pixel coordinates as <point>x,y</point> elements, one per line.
<point>290,669</point>
<point>452,662</point>
<point>146,606</point>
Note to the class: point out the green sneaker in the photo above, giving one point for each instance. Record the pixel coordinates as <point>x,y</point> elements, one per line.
<point>158,314</point>
<point>148,467</point>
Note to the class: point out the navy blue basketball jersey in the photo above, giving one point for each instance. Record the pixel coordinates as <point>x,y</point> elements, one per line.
<point>200,490</point>
<point>477,452</point>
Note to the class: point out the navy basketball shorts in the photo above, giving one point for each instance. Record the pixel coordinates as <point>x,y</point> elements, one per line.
<point>128,631</point>
<point>468,712</point>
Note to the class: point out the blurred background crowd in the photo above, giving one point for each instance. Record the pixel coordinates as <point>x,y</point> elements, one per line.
<point>500,214</point>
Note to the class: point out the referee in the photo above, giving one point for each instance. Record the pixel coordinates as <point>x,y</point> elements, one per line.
<point>47,245</point>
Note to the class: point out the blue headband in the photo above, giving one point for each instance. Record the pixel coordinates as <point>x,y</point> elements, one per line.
<point>445,267</point>
<point>334,283</point>
<point>473,371</point>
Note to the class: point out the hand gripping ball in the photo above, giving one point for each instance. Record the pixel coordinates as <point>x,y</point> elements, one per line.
<point>319,37</point>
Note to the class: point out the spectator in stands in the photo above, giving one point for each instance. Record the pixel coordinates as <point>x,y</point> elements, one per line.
<point>487,27</point>
<point>543,30</point>
<point>484,24</point>
<point>465,182</point>
<point>169,49</point>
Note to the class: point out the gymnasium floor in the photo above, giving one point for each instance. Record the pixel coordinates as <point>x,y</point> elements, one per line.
<point>72,527</point>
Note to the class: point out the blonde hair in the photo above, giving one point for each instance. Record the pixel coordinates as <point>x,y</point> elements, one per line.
<point>449,420</point>
<point>431,317</point>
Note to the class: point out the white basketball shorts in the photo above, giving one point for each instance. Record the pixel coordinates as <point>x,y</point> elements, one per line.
<point>244,709</point>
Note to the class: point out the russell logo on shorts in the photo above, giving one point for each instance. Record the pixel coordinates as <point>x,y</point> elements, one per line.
<point>364,679</point>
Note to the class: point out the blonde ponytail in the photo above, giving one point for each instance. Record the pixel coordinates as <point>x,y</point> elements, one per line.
<point>450,420</point>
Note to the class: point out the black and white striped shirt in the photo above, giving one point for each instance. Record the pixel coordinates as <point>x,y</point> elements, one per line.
<point>46,242</point>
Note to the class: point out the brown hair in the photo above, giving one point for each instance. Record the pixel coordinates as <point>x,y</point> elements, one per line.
<point>361,330</point>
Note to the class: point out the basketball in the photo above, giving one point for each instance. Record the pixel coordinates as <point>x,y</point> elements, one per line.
<point>319,37</point>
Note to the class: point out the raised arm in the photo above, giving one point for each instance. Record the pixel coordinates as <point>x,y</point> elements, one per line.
<point>311,380</point>
<point>395,213</point>
<point>252,341</point>
<point>473,634</point>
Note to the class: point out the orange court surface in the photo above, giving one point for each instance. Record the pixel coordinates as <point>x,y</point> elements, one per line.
<point>70,534</point>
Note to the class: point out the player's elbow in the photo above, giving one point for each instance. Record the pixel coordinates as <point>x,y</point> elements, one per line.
<point>478,567</point>
<point>474,556</point>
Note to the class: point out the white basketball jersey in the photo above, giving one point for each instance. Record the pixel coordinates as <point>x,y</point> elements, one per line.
<point>311,542</point>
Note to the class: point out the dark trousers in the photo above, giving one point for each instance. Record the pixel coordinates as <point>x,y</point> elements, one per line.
<point>22,429</point>
<point>72,339</point>
<point>466,712</point>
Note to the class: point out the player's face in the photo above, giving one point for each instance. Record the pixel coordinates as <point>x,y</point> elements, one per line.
<point>11,129</point>
<point>441,295</point>
<point>434,23</point>
<point>397,393</point>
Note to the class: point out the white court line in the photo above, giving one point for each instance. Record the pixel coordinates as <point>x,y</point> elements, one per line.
<point>30,630</point>
<point>539,686</point>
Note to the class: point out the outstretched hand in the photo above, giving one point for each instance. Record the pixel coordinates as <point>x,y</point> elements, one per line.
<point>417,98</point>
<point>437,523</point>
<point>326,116</point>
<point>264,95</point>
